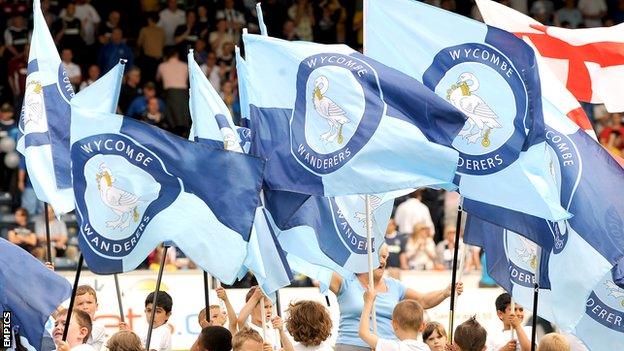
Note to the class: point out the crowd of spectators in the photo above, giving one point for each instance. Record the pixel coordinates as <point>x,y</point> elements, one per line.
<point>154,37</point>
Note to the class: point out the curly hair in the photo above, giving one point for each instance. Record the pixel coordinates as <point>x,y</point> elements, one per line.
<point>124,340</point>
<point>308,322</point>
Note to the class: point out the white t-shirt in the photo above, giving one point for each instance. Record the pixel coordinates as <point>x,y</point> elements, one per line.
<point>98,337</point>
<point>271,334</point>
<point>403,345</point>
<point>592,7</point>
<point>161,338</point>
<point>83,347</point>
<point>499,338</point>
<point>322,347</point>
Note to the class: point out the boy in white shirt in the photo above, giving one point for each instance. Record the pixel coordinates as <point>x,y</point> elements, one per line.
<point>407,323</point>
<point>77,332</point>
<point>501,340</point>
<point>86,301</point>
<point>161,333</point>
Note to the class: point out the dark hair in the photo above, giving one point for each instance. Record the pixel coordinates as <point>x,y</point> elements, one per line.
<point>502,301</point>
<point>430,328</point>
<point>163,300</point>
<point>86,289</point>
<point>470,335</point>
<point>216,338</point>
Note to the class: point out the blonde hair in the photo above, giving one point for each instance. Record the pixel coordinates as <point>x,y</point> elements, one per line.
<point>124,340</point>
<point>553,342</point>
<point>243,335</point>
<point>408,315</point>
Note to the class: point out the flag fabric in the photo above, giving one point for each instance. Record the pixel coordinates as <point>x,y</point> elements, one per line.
<point>588,61</point>
<point>243,95</point>
<point>489,75</point>
<point>333,122</point>
<point>133,191</point>
<point>512,262</point>
<point>592,188</point>
<point>32,300</point>
<point>213,125</point>
<point>602,327</point>
<point>45,120</point>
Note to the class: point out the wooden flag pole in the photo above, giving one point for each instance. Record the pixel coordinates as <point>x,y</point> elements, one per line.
<point>536,286</point>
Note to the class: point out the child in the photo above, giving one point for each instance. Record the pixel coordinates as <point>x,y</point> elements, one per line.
<point>247,339</point>
<point>553,342</point>
<point>501,339</point>
<point>86,301</point>
<point>124,340</point>
<point>310,325</point>
<point>213,338</point>
<point>470,336</point>
<point>252,307</point>
<point>407,323</point>
<point>217,316</point>
<point>435,336</point>
<point>161,334</point>
<point>77,332</point>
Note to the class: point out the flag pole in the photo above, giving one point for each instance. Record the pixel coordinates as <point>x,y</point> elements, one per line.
<point>207,296</point>
<point>158,280</point>
<point>278,304</point>
<point>454,272</point>
<point>47,229</point>
<point>536,296</point>
<point>121,312</point>
<point>263,315</point>
<point>369,249</point>
<point>73,297</point>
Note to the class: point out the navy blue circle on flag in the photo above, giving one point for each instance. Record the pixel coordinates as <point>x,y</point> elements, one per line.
<point>481,82</point>
<point>338,108</point>
<point>119,186</point>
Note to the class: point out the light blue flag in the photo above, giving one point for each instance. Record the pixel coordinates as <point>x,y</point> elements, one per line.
<point>45,120</point>
<point>491,76</point>
<point>103,94</point>
<point>133,191</point>
<point>333,122</point>
<point>243,95</point>
<point>602,325</point>
<point>212,125</point>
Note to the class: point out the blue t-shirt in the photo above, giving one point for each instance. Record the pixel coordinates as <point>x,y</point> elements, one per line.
<point>351,303</point>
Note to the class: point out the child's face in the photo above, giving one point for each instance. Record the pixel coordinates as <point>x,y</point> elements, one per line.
<point>436,341</point>
<point>217,317</point>
<point>160,317</point>
<point>507,315</point>
<point>268,309</point>
<point>86,303</point>
<point>75,333</point>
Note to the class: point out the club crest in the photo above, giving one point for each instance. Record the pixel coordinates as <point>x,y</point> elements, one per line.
<point>605,305</point>
<point>481,82</point>
<point>349,216</point>
<point>522,254</point>
<point>119,187</point>
<point>337,109</point>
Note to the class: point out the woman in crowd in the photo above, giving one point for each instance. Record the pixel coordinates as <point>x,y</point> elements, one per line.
<point>349,291</point>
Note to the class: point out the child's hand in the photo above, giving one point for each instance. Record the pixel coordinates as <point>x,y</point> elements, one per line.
<point>515,321</point>
<point>369,296</point>
<point>510,346</point>
<point>123,326</point>
<point>50,266</point>
<point>257,294</point>
<point>62,346</point>
<point>277,323</point>
<point>221,294</point>
<point>267,347</point>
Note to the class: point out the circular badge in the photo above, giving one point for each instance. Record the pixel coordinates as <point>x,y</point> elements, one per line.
<point>338,107</point>
<point>481,82</point>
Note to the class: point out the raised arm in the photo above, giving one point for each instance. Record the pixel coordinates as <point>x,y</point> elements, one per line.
<point>249,306</point>
<point>231,313</point>
<point>364,332</point>
<point>433,298</point>
<point>335,283</point>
